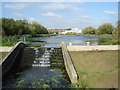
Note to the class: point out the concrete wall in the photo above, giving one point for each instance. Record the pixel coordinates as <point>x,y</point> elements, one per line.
<point>5,49</point>
<point>68,64</point>
<point>10,58</point>
<point>93,48</point>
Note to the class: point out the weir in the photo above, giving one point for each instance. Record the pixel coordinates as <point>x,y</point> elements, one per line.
<point>14,54</point>
<point>44,60</point>
<point>44,64</point>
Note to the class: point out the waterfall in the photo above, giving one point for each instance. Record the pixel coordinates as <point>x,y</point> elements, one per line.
<point>44,60</point>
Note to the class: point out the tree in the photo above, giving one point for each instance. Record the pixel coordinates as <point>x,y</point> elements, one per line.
<point>39,29</point>
<point>20,27</point>
<point>89,30</point>
<point>69,29</point>
<point>106,28</point>
<point>8,26</point>
<point>1,30</point>
<point>116,34</point>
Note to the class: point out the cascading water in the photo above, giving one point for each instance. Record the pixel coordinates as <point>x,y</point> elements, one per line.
<point>44,60</point>
<point>39,68</point>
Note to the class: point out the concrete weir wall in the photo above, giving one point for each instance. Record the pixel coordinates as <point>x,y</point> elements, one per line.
<point>10,58</point>
<point>68,64</point>
<point>93,48</point>
<point>5,49</point>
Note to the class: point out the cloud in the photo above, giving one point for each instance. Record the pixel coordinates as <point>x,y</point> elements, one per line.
<point>60,0</point>
<point>58,6</point>
<point>18,15</point>
<point>84,16</point>
<point>30,19</point>
<point>16,6</point>
<point>42,0</point>
<point>51,14</point>
<point>21,16</point>
<point>110,12</point>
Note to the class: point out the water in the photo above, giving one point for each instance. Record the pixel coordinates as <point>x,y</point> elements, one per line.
<point>54,41</point>
<point>44,67</point>
<point>35,71</point>
<point>37,77</point>
<point>44,60</point>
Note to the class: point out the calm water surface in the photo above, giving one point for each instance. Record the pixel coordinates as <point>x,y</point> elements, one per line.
<point>54,41</point>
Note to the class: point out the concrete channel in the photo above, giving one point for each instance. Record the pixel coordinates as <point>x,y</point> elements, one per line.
<point>40,60</point>
<point>14,52</point>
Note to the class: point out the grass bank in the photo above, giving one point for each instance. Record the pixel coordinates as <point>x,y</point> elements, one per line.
<point>96,69</point>
<point>106,39</point>
<point>98,36</point>
<point>12,40</point>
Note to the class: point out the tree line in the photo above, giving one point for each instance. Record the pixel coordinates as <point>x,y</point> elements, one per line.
<point>12,27</point>
<point>106,28</point>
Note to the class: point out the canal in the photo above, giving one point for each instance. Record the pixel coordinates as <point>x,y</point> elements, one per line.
<point>43,67</point>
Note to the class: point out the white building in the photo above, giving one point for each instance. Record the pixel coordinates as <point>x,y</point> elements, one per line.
<point>73,30</point>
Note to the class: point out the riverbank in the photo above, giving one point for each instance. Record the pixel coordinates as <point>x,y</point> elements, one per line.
<point>96,72</point>
<point>97,36</point>
<point>12,40</point>
<point>46,40</point>
<point>106,39</point>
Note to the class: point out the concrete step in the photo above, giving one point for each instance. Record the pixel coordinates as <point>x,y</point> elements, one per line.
<point>40,65</point>
<point>41,62</point>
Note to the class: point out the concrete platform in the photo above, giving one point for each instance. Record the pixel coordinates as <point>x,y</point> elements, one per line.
<point>93,48</point>
<point>5,49</point>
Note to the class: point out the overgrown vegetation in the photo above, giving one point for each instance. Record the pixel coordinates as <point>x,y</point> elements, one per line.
<point>89,30</point>
<point>116,34</point>
<point>57,59</point>
<point>13,31</point>
<point>105,31</point>
<point>12,27</point>
<point>106,28</point>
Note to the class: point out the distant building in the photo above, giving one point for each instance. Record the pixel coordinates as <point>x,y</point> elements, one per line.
<point>57,30</point>
<point>73,30</point>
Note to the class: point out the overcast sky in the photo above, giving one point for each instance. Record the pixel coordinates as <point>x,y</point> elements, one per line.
<point>63,14</point>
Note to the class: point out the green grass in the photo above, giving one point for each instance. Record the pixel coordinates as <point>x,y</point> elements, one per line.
<point>106,39</point>
<point>106,43</point>
<point>12,40</point>
<point>43,35</point>
<point>96,69</point>
<point>9,40</point>
<point>98,36</point>
<point>7,43</point>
